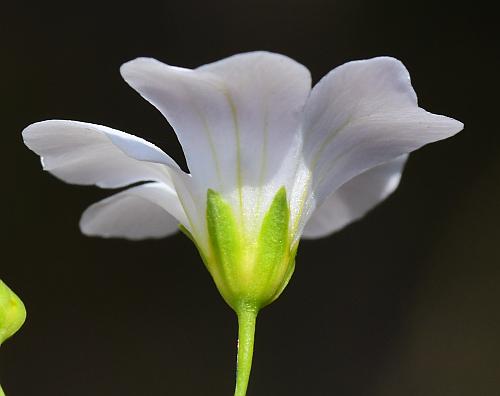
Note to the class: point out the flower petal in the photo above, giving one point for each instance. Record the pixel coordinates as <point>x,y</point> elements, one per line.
<point>363,114</point>
<point>355,198</point>
<point>151,210</point>
<point>237,120</point>
<point>82,153</point>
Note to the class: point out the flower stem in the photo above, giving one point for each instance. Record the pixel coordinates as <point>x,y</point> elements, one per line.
<point>246,332</point>
<point>1,391</point>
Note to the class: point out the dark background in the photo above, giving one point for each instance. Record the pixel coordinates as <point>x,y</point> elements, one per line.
<point>405,302</point>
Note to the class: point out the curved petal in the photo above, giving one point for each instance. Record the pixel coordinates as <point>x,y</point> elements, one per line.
<point>355,198</point>
<point>151,210</point>
<point>363,114</point>
<point>83,153</point>
<point>237,119</point>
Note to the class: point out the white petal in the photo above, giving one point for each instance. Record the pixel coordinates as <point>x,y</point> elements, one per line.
<point>355,198</point>
<point>363,114</point>
<point>145,211</point>
<point>237,119</point>
<point>82,153</point>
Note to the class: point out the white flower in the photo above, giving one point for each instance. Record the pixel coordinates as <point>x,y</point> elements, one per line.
<point>270,160</point>
<point>254,135</point>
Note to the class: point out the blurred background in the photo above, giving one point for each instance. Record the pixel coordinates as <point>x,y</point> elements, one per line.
<point>404,302</point>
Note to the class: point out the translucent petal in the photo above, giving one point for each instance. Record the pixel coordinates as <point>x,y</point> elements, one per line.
<point>83,153</point>
<point>237,120</point>
<point>151,210</point>
<point>355,198</point>
<point>363,114</point>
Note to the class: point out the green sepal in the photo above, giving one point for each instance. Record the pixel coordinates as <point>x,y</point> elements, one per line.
<point>288,274</point>
<point>12,312</point>
<point>186,232</point>
<point>225,242</point>
<point>273,247</point>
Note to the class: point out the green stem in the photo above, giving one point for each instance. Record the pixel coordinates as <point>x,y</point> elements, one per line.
<point>246,323</point>
<point>1,391</point>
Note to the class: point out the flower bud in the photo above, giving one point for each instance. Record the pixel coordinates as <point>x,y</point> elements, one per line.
<point>12,312</point>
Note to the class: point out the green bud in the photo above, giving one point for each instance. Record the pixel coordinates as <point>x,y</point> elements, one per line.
<point>250,271</point>
<point>12,312</point>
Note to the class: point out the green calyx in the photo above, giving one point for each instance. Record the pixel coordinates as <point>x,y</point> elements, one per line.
<point>250,269</point>
<point>12,312</point>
